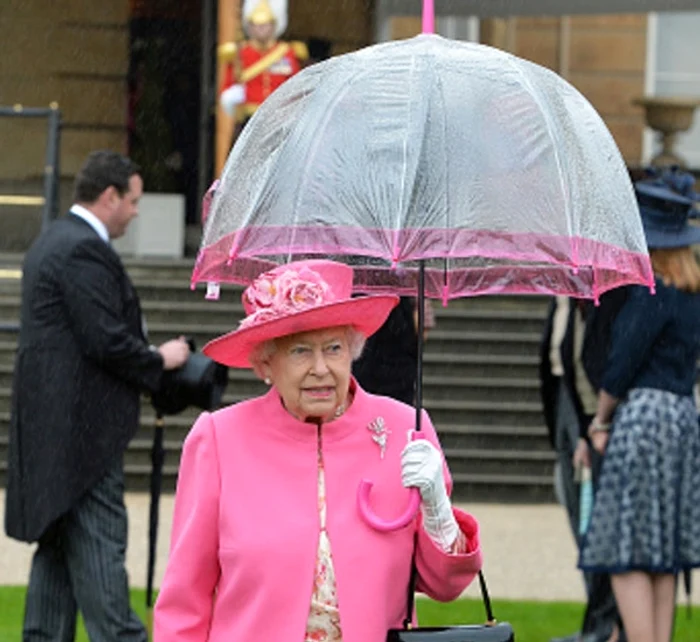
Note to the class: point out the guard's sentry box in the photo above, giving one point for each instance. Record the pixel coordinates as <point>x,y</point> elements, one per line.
<point>49,200</point>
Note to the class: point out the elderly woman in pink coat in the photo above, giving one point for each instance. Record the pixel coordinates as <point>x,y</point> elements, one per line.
<point>267,541</point>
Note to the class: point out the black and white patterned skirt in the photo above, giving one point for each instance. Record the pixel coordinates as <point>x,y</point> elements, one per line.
<point>646,514</point>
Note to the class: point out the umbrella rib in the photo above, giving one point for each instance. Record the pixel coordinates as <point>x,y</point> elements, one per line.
<point>402,191</point>
<point>317,140</point>
<point>446,202</point>
<point>536,98</point>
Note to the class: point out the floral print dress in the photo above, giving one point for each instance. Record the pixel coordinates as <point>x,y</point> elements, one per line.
<point>323,624</point>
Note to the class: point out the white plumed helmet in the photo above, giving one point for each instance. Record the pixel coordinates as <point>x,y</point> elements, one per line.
<point>263,11</point>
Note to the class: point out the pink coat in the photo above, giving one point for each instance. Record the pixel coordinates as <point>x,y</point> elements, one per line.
<point>246,525</point>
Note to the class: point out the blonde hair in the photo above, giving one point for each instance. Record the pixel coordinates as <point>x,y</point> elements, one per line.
<point>263,351</point>
<point>677,266</point>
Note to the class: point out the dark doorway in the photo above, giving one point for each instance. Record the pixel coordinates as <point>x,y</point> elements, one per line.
<point>165,96</point>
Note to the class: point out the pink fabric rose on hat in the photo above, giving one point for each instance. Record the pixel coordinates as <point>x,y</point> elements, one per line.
<point>306,294</point>
<point>262,293</point>
<point>301,290</point>
<point>271,297</point>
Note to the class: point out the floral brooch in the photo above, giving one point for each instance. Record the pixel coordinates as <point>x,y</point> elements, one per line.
<point>379,434</point>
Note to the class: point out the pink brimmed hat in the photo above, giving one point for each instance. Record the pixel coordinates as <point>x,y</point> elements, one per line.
<point>298,297</point>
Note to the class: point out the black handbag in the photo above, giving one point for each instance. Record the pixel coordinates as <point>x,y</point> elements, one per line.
<point>492,631</point>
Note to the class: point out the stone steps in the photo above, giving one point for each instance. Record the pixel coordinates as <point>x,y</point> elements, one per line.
<point>222,316</point>
<point>481,383</point>
<point>434,363</point>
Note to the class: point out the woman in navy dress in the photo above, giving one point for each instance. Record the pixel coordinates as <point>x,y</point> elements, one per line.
<point>645,525</point>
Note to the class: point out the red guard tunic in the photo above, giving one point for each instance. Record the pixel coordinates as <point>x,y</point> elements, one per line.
<point>262,71</point>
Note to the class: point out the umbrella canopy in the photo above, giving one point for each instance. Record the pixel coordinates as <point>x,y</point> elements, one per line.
<point>493,171</point>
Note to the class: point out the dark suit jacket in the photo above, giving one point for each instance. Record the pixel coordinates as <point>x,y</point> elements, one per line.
<point>388,364</point>
<point>81,364</point>
<point>598,334</point>
<point>549,384</point>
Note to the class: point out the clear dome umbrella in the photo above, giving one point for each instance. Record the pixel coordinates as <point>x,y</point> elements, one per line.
<point>493,170</point>
<point>432,166</point>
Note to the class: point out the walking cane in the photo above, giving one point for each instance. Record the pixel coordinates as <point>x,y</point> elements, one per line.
<point>157,459</point>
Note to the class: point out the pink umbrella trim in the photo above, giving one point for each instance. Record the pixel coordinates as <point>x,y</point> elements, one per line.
<point>514,263</point>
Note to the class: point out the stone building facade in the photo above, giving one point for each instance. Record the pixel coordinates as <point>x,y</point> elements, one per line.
<point>73,52</point>
<point>77,53</point>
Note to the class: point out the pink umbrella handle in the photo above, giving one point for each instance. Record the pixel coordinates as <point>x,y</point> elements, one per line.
<point>428,16</point>
<point>379,524</point>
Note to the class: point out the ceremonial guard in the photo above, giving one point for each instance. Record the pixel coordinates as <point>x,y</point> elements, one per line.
<point>259,65</point>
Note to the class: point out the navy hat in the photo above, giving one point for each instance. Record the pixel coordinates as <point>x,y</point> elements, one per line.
<point>666,202</point>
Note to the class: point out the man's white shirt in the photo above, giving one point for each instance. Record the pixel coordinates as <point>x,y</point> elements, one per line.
<point>94,222</point>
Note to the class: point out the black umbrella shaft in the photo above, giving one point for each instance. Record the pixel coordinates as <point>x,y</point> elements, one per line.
<point>157,459</point>
<point>421,331</point>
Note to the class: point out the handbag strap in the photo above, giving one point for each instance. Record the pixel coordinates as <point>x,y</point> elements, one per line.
<point>407,623</point>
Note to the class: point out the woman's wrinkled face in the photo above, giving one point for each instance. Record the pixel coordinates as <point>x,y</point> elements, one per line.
<point>311,371</point>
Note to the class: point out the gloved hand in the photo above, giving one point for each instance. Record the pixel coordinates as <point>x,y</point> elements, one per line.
<point>421,467</point>
<point>232,97</point>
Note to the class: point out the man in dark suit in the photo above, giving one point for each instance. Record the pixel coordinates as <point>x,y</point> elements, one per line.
<point>388,363</point>
<point>82,363</point>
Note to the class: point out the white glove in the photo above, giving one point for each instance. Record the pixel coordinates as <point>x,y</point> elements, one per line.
<point>231,98</point>
<point>421,467</point>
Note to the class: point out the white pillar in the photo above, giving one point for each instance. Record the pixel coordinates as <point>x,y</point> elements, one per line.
<point>459,27</point>
<point>650,83</point>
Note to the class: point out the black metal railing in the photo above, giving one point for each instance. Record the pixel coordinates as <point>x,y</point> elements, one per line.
<point>49,200</point>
